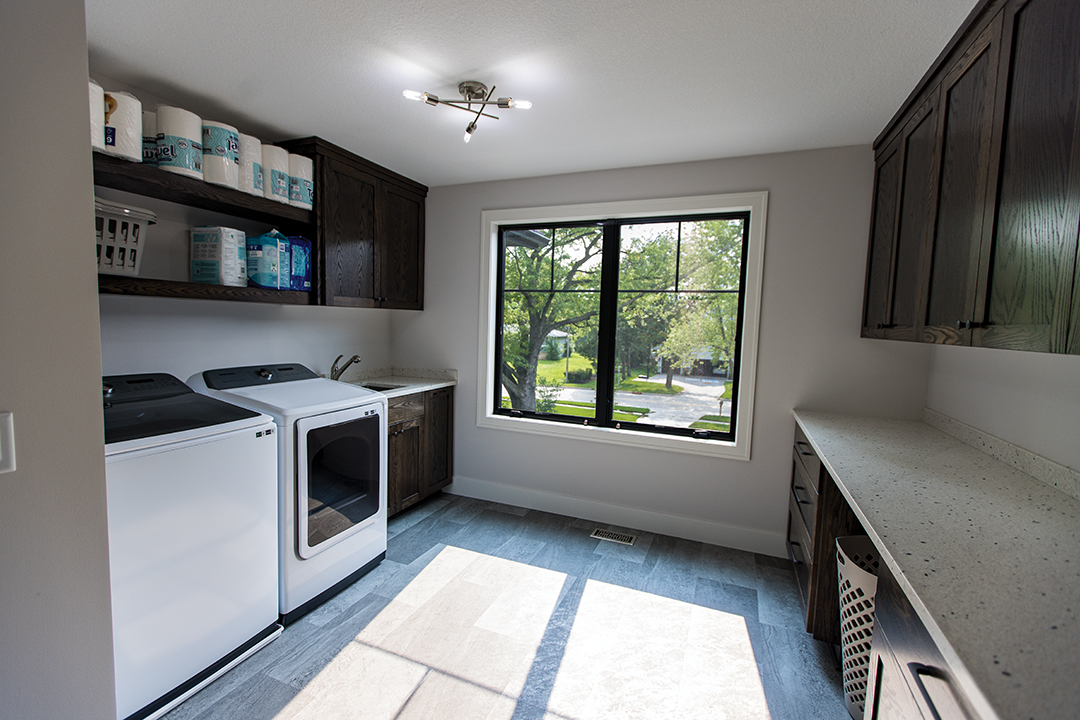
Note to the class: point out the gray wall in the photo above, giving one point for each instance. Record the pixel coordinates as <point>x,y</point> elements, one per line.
<point>55,628</point>
<point>810,351</point>
<point>1029,399</point>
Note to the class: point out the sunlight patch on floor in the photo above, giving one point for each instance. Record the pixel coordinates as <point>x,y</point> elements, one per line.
<point>634,655</point>
<point>459,641</point>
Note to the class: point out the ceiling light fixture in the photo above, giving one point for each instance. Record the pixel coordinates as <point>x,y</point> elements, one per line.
<point>473,94</point>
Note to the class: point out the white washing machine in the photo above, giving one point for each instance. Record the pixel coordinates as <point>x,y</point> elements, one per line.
<point>191,486</point>
<point>332,475</point>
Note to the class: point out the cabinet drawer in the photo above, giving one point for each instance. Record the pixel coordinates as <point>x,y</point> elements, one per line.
<point>405,407</point>
<point>800,554</point>
<point>804,495</point>
<point>807,456</point>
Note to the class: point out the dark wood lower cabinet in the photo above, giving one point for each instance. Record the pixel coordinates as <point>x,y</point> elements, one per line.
<point>402,465</point>
<point>818,514</point>
<point>909,678</point>
<point>420,447</point>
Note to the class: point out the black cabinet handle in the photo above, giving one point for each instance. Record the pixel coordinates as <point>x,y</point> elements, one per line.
<point>791,552</point>
<point>968,324</point>
<point>799,448</point>
<point>885,326</point>
<point>795,491</point>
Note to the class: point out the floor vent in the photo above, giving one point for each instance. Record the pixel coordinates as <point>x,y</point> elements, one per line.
<point>621,538</point>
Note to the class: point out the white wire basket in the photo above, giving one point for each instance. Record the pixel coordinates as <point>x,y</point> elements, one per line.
<point>857,564</point>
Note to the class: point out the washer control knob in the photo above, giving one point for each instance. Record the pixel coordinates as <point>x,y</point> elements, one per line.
<point>107,389</point>
<point>265,374</point>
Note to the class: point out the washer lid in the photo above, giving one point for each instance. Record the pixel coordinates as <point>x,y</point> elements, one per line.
<point>301,397</point>
<point>146,406</point>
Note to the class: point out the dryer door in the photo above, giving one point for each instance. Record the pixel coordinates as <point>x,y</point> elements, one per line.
<point>340,488</point>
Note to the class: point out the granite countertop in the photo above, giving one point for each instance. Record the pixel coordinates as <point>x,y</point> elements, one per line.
<point>988,555</point>
<point>405,381</point>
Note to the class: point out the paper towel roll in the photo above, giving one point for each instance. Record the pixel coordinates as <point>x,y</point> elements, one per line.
<point>221,154</point>
<point>97,116</point>
<point>179,141</point>
<point>301,181</point>
<point>123,126</point>
<point>149,137</point>
<point>275,173</point>
<point>251,172</point>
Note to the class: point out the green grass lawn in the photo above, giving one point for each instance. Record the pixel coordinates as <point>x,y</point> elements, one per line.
<point>712,422</point>
<point>555,370</point>
<point>644,386</point>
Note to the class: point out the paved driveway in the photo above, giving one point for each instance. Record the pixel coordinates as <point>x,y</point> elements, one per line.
<point>700,396</point>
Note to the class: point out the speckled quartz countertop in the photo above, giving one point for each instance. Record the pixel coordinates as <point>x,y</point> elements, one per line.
<point>405,381</point>
<point>988,555</point>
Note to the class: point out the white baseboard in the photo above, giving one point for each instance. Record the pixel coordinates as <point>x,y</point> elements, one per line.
<point>731,536</point>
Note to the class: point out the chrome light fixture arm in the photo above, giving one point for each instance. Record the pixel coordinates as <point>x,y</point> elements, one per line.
<point>473,93</point>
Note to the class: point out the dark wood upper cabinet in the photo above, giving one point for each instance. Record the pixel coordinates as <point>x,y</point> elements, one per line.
<point>999,215</point>
<point>346,211</point>
<point>1031,270</point>
<point>906,180</point>
<point>370,224</point>
<point>400,276</point>
<point>964,211</point>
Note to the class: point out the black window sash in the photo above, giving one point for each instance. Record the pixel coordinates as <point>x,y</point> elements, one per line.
<point>608,317</point>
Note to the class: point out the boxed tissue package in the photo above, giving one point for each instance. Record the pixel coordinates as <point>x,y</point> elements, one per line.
<point>219,256</point>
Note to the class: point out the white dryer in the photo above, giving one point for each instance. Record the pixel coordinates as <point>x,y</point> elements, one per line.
<point>191,486</point>
<point>332,474</point>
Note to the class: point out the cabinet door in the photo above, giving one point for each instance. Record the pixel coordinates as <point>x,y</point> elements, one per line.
<point>403,465</point>
<point>439,439</point>
<point>888,696</point>
<point>1030,273</point>
<point>400,249</point>
<point>964,213</point>
<point>346,199</point>
<point>893,295</point>
<point>882,232</point>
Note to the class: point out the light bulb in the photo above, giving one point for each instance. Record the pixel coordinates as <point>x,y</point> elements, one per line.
<point>413,95</point>
<point>520,104</point>
<point>469,131</point>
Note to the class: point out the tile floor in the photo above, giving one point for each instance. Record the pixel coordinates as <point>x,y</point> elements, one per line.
<point>493,612</point>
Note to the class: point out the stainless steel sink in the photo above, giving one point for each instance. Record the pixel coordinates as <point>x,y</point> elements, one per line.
<point>380,387</point>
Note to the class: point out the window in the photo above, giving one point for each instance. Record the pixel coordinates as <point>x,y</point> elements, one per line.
<point>625,322</point>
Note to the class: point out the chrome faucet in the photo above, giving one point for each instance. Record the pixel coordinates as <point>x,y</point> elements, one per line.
<point>335,371</point>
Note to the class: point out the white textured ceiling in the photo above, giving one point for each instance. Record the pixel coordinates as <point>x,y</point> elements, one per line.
<point>615,83</point>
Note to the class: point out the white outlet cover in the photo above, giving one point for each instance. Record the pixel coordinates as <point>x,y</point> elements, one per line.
<point>7,442</point>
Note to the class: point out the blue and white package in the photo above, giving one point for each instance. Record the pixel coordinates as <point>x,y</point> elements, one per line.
<point>263,262</point>
<point>284,253</point>
<point>301,263</point>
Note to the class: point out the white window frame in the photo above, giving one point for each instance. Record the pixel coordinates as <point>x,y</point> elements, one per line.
<point>491,220</point>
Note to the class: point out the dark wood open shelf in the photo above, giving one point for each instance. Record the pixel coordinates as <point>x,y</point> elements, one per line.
<point>153,182</point>
<point>122,285</point>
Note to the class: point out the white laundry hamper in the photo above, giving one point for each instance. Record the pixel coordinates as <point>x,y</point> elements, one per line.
<point>856,563</point>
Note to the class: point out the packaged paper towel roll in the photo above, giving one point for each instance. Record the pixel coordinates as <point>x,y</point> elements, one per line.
<point>251,169</point>
<point>149,137</point>
<point>276,173</point>
<point>221,154</point>
<point>179,140</point>
<point>301,181</point>
<point>123,126</point>
<point>97,116</point>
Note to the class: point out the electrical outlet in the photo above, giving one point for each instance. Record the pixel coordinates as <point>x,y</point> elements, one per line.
<point>7,442</point>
